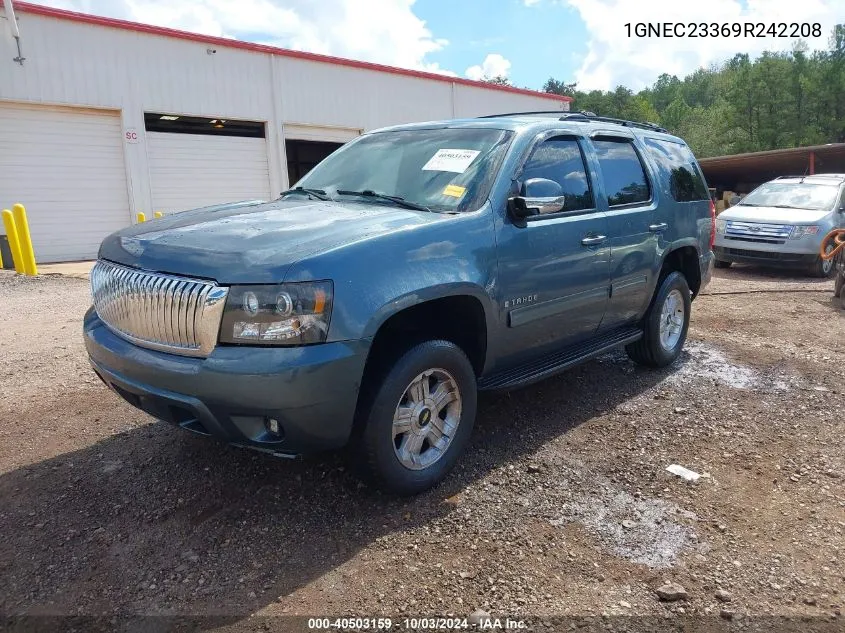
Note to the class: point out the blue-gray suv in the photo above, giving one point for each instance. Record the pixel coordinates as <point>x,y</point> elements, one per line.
<point>411,268</point>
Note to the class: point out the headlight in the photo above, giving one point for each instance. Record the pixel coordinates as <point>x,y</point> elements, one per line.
<point>801,230</point>
<point>283,314</point>
<point>720,226</point>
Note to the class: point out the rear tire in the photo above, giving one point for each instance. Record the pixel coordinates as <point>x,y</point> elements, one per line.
<point>721,263</point>
<point>418,419</point>
<point>665,324</point>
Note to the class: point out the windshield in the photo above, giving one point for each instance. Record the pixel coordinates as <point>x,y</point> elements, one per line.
<point>447,170</point>
<point>804,195</point>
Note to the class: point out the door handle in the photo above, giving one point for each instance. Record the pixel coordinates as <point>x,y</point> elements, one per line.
<point>593,240</point>
<point>658,228</point>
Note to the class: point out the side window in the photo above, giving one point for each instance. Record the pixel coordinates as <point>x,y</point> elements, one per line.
<point>559,159</point>
<point>624,176</point>
<point>676,161</point>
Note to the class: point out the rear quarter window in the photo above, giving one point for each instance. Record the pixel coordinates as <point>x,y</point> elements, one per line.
<point>679,167</point>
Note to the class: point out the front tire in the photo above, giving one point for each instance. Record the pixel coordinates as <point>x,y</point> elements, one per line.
<point>824,269</point>
<point>665,324</point>
<point>419,419</point>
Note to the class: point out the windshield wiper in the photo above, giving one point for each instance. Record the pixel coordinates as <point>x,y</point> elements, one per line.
<point>314,193</point>
<point>369,193</point>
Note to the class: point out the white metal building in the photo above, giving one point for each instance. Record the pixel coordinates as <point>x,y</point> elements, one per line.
<point>104,119</point>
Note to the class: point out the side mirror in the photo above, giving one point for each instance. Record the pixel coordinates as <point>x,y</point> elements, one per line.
<point>538,196</point>
<point>734,200</point>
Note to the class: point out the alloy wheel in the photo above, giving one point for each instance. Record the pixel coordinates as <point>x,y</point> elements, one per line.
<point>426,419</point>
<point>671,320</point>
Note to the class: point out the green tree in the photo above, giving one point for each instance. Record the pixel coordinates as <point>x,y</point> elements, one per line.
<point>499,80</point>
<point>555,87</point>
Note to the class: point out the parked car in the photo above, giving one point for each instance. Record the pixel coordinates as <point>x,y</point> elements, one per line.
<point>411,268</point>
<point>782,223</point>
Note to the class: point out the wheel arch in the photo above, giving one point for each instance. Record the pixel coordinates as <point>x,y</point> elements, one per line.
<point>458,312</point>
<point>415,317</point>
<point>685,259</point>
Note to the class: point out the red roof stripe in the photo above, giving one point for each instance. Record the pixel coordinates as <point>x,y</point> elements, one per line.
<point>62,14</point>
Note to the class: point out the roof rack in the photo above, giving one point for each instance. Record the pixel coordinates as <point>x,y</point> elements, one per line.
<point>583,115</point>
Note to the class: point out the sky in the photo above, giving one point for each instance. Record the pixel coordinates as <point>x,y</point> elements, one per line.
<point>528,41</point>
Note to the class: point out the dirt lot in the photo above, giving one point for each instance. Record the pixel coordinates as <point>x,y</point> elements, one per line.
<point>562,505</point>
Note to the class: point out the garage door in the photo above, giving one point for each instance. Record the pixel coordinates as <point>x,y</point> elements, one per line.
<point>304,132</point>
<point>196,170</point>
<point>66,166</point>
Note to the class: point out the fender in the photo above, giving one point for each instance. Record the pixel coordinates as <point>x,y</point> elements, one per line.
<point>426,294</point>
<point>674,246</point>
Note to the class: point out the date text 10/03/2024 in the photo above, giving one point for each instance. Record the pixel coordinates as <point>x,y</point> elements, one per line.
<point>486,623</point>
<point>723,29</point>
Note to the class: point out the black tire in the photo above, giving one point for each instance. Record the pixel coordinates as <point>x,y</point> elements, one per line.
<point>649,350</point>
<point>375,448</point>
<point>721,263</point>
<point>818,267</point>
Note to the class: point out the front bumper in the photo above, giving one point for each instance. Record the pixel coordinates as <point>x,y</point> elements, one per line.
<point>311,391</point>
<point>765,258</point>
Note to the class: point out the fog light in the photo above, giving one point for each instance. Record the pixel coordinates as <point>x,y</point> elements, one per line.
<point>272,425</point>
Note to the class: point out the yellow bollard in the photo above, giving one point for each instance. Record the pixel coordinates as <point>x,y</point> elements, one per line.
<point>158,214</point>
<point>141,217</point>
<point>24,239</point>
<point>14,243</point>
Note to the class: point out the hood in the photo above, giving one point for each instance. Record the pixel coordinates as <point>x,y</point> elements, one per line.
<point>253,242</point>
<point>773,215</point>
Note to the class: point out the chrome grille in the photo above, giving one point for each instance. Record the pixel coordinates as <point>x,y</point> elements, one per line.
<point>164,312</point>
<point>758,232</point>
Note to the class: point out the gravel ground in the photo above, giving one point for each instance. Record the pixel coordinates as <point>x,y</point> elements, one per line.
<point>562,505</point>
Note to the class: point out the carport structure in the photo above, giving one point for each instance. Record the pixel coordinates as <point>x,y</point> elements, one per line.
<point>743,172</point>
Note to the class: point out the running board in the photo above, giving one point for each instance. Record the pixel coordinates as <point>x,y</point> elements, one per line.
<point>558,361</point>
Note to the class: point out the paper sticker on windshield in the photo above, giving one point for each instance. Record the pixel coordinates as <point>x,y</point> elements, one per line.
<point>454,160</point>
<point>455,191</point>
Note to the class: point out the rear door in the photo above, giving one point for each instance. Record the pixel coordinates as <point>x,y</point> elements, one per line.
<point>553,268</point>
<point>629,198</point>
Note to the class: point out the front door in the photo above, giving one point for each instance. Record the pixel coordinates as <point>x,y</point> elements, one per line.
<point>554,268</point>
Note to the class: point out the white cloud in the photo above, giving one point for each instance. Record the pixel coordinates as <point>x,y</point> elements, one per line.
<point>613,58</point>
<point>381,31</point>
<point>494,65</point>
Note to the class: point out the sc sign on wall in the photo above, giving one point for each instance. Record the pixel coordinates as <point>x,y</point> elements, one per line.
<point>130,135</point>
